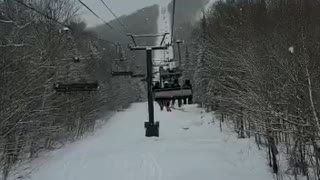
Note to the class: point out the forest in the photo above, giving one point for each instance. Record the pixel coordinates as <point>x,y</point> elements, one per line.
<point>255,64</point>
<point>44,43</point>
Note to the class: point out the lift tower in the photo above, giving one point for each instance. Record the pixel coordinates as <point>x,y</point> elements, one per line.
<point>152,127</point>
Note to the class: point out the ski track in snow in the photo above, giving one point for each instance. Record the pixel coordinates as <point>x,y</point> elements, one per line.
<point>120,151</point>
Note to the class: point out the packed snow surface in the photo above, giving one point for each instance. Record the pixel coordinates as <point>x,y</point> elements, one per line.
<point>190,147</point>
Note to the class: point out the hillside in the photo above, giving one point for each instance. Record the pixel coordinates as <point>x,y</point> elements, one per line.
<point>187,12</point>
<point>143,21</point>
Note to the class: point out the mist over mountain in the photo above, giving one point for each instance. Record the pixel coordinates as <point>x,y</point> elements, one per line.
<point>143,21</point>
<point>187,12</point>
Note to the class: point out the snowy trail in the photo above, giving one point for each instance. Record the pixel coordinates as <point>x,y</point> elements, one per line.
<point>164,26</point>
<point>189,147</point>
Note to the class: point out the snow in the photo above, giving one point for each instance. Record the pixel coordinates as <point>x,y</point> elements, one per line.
<point>4,21</point>
<point>291,49</point>
<point>207,8</point>
<point>209,5</point>
<point>190,147</point>
<point>164,26</point>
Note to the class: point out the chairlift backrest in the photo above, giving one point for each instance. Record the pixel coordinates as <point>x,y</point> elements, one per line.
<point>172,93</point>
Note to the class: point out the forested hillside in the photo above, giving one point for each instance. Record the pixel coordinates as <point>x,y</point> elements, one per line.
<point>44,44</point>
<point>254,66</point>
<point>186,15</point>
<point>256,63</point>
<point>116,57</point>
<point>144,21</point>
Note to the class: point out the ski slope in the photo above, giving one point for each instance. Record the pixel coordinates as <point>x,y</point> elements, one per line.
<point>190,147</point>
<point>164,26</point>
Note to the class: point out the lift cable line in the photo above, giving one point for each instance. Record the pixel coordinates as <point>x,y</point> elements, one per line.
<point>117,18</point>
<point>96,15</point>
<point>58,22</point>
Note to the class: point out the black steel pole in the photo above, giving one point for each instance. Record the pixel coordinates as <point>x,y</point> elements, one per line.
<point>149,81</point>
<point>172,22</point>
<point>179,51</point>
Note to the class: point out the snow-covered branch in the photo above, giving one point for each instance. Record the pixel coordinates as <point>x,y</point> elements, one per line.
<point>6,21</point>
<point>14,45</point>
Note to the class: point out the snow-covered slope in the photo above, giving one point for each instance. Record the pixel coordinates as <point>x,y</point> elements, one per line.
<point>190,147</point>
<point>164,26</point>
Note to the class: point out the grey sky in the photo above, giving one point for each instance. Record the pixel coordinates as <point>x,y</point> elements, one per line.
<point>120,7</point>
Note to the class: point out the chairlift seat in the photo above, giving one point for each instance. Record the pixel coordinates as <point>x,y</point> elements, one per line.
<point>172,93</point>
<point>138,75</point>
<point>122,73</point>
<point>76,87</point>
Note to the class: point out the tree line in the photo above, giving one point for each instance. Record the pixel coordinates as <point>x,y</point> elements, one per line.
<point>37,52</point>
<point>256,64</point>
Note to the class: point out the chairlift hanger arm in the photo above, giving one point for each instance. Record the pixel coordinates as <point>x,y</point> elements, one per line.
<point>147,35</point>
<point>133,40</point>
<point>164,37</point>
<point>137,47</point>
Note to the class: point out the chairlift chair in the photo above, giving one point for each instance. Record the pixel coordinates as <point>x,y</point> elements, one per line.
<point>121,73</point>
<point>76,87</point>
<point>69,81</point>
<point>119,68</point>
<point>172,93</point>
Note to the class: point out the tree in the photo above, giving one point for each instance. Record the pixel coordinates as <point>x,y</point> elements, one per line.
<point>261,64</point>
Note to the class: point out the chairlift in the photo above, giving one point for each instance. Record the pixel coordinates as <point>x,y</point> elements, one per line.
<point>127,73</point>
<point>121,61</point>
<point>172,93</point>
<point>76,87</point>
<point>121,73</point>
<point>170,73</point>
<point>65,87</point>
<point>65,84</point>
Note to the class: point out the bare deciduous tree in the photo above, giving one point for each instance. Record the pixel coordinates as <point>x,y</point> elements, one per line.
<point>260,68</point>
<point>36,52</point>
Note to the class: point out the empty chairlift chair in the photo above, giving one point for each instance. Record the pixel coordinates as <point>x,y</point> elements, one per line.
<point>72,77</point>
<point>72,74</point>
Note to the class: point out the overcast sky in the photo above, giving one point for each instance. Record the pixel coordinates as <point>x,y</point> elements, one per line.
<point>120,7</point>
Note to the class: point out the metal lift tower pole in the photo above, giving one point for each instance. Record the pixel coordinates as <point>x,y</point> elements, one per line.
<point>152,127</point>
<point>150,80</point>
